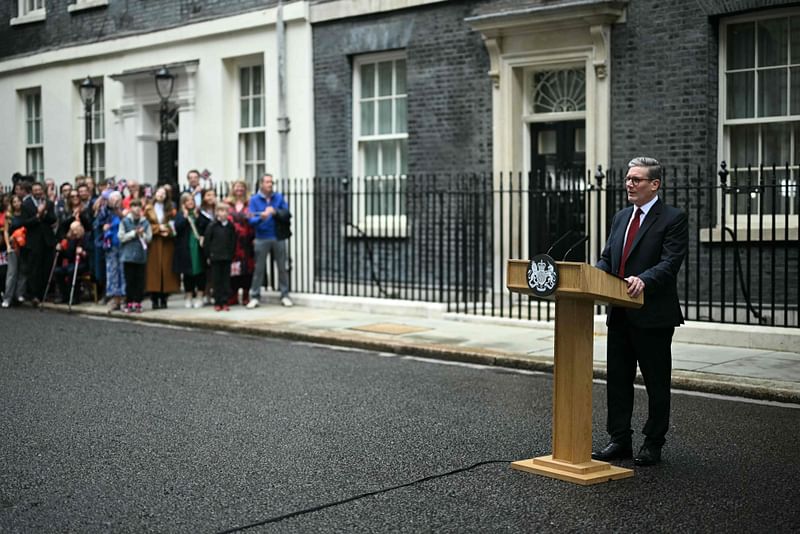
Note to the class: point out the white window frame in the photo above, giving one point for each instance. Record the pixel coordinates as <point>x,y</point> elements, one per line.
<point>98,171</point>
<point>29,11</point>
<point>80,5</point>
<point>33,149</point>
<point>724,139</point>
<point>249,135</point>
<point>382,226</point>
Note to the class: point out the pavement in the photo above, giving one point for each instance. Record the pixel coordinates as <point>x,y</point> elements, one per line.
<point>748,361</point>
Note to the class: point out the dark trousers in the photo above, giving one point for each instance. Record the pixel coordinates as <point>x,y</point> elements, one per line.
<point>192,283</point>
<point>651,348</point>
<point>134,281</point>
<point>38,261</point>
<point>221,281</point>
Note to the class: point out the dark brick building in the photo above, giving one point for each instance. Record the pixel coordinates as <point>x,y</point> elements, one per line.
<point>556,88</point>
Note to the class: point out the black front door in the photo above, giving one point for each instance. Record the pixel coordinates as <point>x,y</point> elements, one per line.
<point>557,180</point>
<point>168,163</point>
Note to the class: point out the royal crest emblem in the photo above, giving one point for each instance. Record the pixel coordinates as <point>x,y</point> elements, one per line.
<point>543,275</point>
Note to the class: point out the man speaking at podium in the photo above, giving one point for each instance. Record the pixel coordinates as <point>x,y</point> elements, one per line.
<point>646,247</point>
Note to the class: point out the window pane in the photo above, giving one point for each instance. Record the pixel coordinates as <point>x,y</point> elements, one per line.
<point>385,116</point>
<point>258,116</point>
<point>389,157</point>
<point>100,155</point>
<point>244,81</point>
<point>371,159</point>
<point>771,92</point>
<point>400,110</point>
<point>741,46</point>
<point>261,170</point>
<point>368,81</point>
<point>794,23</point>
<point>370,197</point>
<point>97,126</point>
<point>775,139</point>
<point>776,177</point>
<point>248,174</point>
<point>384,78</point>
<point>403,156</point>
<point>368,118</point>
<point>248,147</point>
<point>244,117</point>
<point>401,208</point>
<point>37,132</point>
<point>29,127</point>
<point>794,92</point>
<point>744,146</point>
<point>741,97</point>
<point>400,75</point>
<point>260,146</point>
<point>773,38</point>
<point>257,78</point>
<point>388,186</point>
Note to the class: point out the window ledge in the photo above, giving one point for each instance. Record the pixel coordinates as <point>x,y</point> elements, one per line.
<point>33,16</point>
<point>87,4</point>
<point>713,236</point>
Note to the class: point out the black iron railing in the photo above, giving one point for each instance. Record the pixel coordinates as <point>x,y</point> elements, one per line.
<point>445,238</point>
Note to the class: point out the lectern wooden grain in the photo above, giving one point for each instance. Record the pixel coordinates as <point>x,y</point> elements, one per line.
<point>580,286</point>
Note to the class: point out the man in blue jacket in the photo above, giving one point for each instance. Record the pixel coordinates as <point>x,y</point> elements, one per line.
<point>268,211</point>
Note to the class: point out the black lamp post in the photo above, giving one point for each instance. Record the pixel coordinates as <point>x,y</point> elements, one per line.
<point>165,81</point>
<point>88,94</point>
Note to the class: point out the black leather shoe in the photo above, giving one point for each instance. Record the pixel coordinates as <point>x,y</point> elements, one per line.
<point>648,455</point>
<point>613,451</point>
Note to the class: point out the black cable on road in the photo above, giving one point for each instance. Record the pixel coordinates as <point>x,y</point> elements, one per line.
<point>313,509</point>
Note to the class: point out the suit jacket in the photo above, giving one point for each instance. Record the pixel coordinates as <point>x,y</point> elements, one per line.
<point>656,257</point>
<point>40,231</point>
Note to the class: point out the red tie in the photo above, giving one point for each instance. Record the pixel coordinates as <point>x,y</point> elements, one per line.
<point>632,230</point>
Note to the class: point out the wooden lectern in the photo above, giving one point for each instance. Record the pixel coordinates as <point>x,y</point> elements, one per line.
<point>579,287</point>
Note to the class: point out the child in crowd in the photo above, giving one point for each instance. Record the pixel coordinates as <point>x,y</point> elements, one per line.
<point>134,235</point>
<point>71,256</point>
<point>188,259</point>
<point>219,244</point>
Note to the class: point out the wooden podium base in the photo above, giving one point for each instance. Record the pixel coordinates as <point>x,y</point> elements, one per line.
<point>585,474</point>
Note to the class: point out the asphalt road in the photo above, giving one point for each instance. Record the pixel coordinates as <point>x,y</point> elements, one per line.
<point>114,426</point>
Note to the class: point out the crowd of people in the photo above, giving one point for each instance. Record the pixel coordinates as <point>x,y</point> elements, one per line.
<point>125,240</point>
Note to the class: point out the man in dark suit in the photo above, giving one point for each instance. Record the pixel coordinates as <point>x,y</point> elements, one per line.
<point>646,246</point>
<point>38,217</point>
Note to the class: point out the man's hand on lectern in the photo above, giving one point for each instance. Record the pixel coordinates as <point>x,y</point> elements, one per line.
<point>635,286</point>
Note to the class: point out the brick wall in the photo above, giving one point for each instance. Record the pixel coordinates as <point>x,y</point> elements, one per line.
<point>120,17</point>
<point>661,85</point>
<point>449,93</point>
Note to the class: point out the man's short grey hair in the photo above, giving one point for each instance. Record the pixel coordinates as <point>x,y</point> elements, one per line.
<point>652,165</point>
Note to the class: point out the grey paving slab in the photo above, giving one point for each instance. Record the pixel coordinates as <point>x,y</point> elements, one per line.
<point>760,367</point>
<point>791,356</point>
<point>712,354</point>
<point>686,365</point>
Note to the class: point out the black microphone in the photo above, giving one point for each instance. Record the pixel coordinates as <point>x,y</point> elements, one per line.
<point>559,240</point>
<point>582,240</point>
